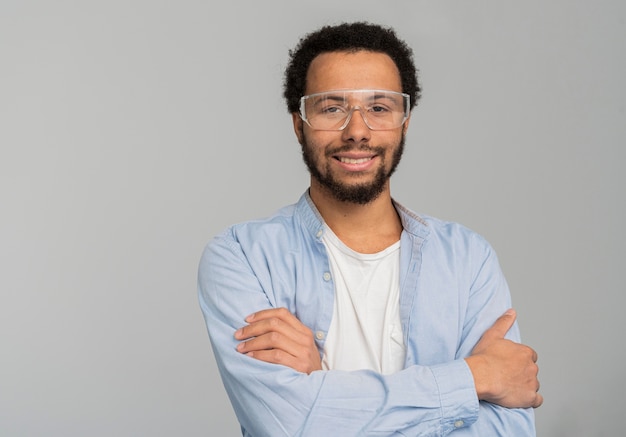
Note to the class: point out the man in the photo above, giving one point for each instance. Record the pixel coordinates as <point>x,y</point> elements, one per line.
<point>347,314</point>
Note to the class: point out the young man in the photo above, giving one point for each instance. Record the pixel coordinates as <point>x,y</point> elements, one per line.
<point>347,314</point>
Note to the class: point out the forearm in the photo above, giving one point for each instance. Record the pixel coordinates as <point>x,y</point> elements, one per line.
<point>489,298</point>
<point>275,400</point>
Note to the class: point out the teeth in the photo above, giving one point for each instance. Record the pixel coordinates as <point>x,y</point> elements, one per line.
<point>354,161</point>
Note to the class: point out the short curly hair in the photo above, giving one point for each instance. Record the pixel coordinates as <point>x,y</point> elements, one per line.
<point>348,37</point>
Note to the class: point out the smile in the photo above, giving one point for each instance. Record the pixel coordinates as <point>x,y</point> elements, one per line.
<point>353,160</point>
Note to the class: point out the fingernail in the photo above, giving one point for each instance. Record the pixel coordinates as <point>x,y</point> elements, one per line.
<point>509,312</point>
<point>249,318</point>
<point>238,333</point>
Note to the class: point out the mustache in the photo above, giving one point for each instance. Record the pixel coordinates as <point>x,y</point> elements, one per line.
<point>352,148</point>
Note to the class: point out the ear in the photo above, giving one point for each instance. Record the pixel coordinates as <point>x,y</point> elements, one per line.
<point>405,125</point>
<point>298,126</point>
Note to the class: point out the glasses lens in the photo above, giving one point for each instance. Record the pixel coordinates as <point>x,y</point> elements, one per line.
<point>332,110</point>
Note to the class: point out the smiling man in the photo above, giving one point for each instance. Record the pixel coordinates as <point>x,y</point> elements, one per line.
<point>347,314</point>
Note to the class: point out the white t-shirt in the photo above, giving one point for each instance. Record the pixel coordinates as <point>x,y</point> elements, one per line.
<point>365,331</point>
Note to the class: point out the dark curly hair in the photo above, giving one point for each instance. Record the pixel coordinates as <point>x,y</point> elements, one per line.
<point>348,37</point>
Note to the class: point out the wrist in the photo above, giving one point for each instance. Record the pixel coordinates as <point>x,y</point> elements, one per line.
<point>477,366</point>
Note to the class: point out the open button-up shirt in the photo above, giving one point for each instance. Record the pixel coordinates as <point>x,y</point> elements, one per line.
<point>451,290</point>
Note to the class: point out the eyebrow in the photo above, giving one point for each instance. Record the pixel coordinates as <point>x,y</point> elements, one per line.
<point>342,98</point>
<point>335,97</point>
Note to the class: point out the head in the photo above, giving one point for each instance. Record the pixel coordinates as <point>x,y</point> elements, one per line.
<point>353,164</point>
<point>348,37</point>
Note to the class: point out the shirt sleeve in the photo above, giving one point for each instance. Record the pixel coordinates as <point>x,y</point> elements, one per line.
<point>274,400</point>
<point>489,298</point>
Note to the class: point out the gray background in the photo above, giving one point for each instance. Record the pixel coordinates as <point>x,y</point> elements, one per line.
<point>133,131</point>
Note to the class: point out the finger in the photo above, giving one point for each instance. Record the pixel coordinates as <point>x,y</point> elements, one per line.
<point>282,314</point>
<point>277,356</point>
<point>535,357</point>
<point>274,333</point>
<point>267,326</point>
<point>269,341</point>
<point>502,325</point>
<point>268,313</point>
<point>538,401</point>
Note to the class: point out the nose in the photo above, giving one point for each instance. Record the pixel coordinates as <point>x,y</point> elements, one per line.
<point>356,128</point>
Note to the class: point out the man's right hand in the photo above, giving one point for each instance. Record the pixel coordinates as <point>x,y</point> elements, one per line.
<point>277,336</point>
<point>505,372</point>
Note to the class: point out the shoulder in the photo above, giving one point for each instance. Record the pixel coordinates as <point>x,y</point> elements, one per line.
<point>260,229</point>
<point>248,243</point>
<point>438,232</point>
<point>287,229</point>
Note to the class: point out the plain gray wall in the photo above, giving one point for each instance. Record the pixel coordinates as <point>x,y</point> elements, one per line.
<point>133,131</point>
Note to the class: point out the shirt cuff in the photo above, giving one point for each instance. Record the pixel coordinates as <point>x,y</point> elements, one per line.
<point>459,402</point>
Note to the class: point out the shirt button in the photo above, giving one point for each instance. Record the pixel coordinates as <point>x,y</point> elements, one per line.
<point>319,233</point>
<point>458,424</point>
<point>319,335</point>
<point>326,276</point>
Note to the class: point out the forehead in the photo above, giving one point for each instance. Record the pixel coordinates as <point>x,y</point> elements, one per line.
<point>347,70</point>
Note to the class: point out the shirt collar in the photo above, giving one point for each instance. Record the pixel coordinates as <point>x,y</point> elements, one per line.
<point>313,221</point>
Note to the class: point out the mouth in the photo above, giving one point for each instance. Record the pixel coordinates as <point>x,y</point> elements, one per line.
<point>347,160</point>
<point>356,162</point>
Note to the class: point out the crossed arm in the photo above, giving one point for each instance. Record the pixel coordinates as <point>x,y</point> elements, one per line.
<point>505,372</point>
<point>269,366</point>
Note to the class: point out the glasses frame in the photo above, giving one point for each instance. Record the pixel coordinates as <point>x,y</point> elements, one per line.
<point>406,99</point>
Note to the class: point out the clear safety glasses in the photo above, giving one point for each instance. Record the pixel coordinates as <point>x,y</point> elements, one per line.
<point>332,110</point>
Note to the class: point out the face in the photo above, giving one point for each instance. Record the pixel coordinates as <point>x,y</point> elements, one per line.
<point>355,164</point>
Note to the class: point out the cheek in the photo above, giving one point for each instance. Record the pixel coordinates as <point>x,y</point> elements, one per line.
<point>317,141</point>
<point>391,141</point>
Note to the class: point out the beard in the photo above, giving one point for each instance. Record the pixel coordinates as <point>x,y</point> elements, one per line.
<point>361,193</point>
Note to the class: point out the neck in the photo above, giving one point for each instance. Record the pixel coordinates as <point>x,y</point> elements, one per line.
<point>367,228</point>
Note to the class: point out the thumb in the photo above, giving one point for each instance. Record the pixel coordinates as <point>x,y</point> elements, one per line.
<point>502,325</point>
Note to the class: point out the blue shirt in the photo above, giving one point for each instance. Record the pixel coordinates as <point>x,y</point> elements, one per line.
<point>452,290</point>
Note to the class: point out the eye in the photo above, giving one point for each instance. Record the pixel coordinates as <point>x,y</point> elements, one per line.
<point>332,110</point>
<point>378,109</point>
